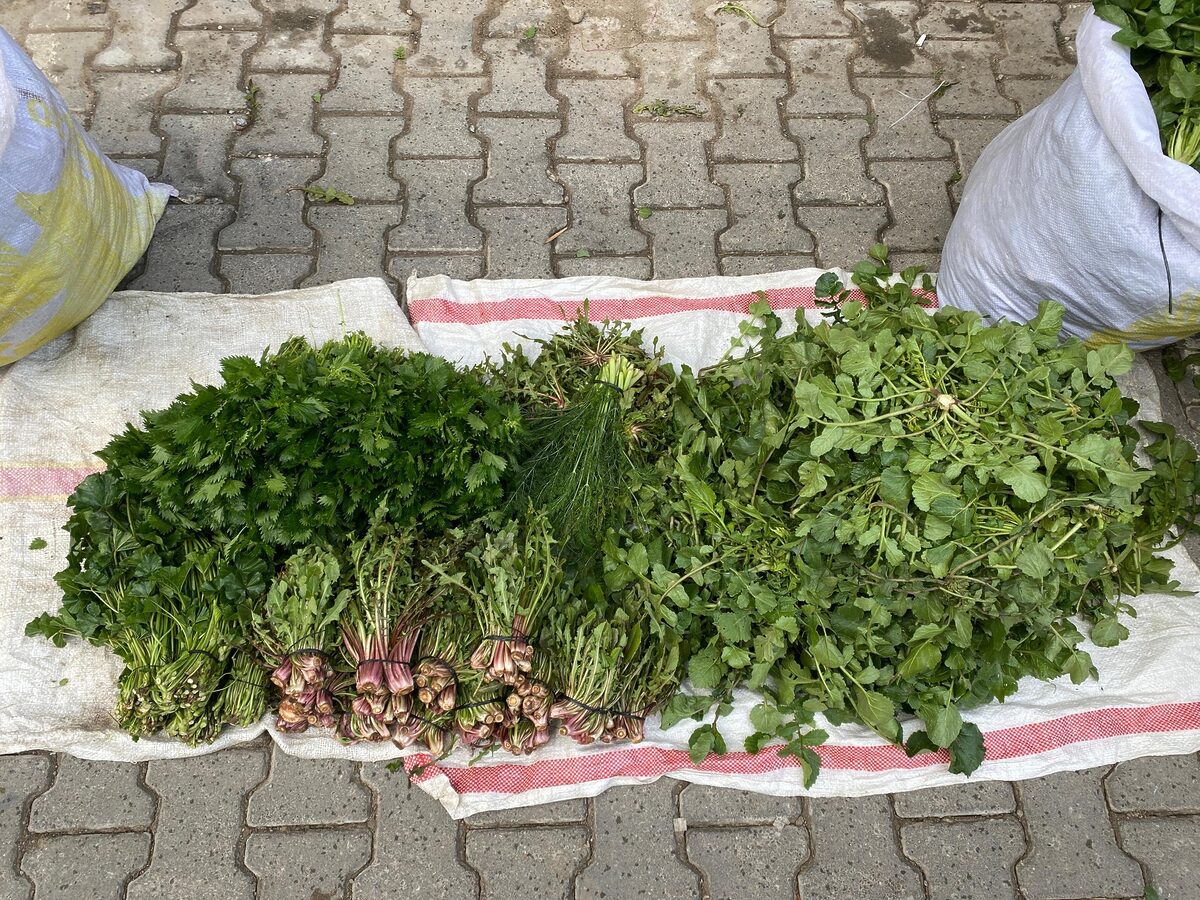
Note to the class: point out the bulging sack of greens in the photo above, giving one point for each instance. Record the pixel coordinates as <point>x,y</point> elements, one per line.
<point>72,222</point>
<point>1078,202</point>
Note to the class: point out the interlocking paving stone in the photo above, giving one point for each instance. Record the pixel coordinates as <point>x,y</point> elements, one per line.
<point>367,74</point>
<point>284,122</point>
<point>903,120</point>
<point>516,245</point>
<point>210,75</point>
<point>759,198</point>
<point>1072,850</point>
<point>956,20</point>
<point>598,44</point>
<point>447,27</point>
<point>139,35</point>
<point>974,92</point>
<point>61,57</point>
<point>533,863</point>
<point>270,211</point>
<point>975,798</point>
<point>614,266</point>
<point>965,860</point>
<point>842,233</point>
<point>196,162</point>
<point>516,162</point>
<point>68,15</point>
<point>601,208</point>
<point>565,812</point>
<point>308,791</point>
<point>595,128</point>
<point>358,160</point>
<point>672,72</point>
<point>373,17</point>
<point>293,39</point>
<point>20,776</point>
<point>435,205</point>
<point>223,13</point>
<point>198,830</point>
<point>634,847</point>
<point>1030,39</point>
<point>263,273</point>
<point>122,120</point>
<point>415,845</point>
<point>92,796</point>
<point>919,201</point>
<point>701,804</point>
<point>820,77</point>
<point>676,168</point>
<point>812,18</point>
<point>1155,784</point>
<point>84,866</point>
<point>463,266</point>
<point>180,256</point>
<point>1028,92</point>
<point>518,77</point>
<point>969,137</point>
<point>754,863</point>
<point>351,241</point>
<point>833,166</point>
<point>306,865</point>
<point>743,47</point>
<point>750,126</point>
<point>752,264</point>
<point>685,241</point>
<point>889,37</point>
<point>514,16</point>
<point>1169,848</point>
<point>438,117</point>
<point>854,853</point>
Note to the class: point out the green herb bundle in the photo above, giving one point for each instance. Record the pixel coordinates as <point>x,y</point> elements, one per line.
<point>1164,41</point>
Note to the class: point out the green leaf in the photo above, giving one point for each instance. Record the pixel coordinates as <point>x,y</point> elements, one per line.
<point>1025,479</point>
<point>826,653</point>
<point>766,717</point>
<point>684,706</point>
<point>919,742</point>
<point>1108,632</point>
<point>704,741</point>
<point>875,710</point>
<point>1035,561</point>
<point>706,669</point>
<point>922,657</point>
<point>644,212</point>
<point>38,544</point>
<point>929,487</point>
<point>825,441</point>
<point>966,753</point>
<point>942,724</point>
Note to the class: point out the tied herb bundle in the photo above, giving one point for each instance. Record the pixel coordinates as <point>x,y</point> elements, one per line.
<point>895,512</point>
<point>1164,41</point>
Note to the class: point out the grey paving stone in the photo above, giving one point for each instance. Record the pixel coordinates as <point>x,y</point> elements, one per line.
<point>92,796</point>
<point>566,812</point>
<point>366,75</point>
<point>956,20</point>
<point>833,165</point>
<point>358,161</point>
<point>1155,784</point>
<point>84,866</point>
<point>975,798</point>
<point>150,166</point>
<point>517,160</point>
<point>351,240</point>
<point>1169,848</point>
<point>197,155</point>
<point>919,201</point>
<point>125,103</point>
<point>415,845</point>
<point>760,201</point>
<point>1028,92</point>
<point>435,205</point>
<point>613,266</point>
<point>199,825</point>
<point>601,208</point>
<point>676,168</point>
<point>1030,39</point>
<point>373,17</point>
<point>595,125</point>
<point>903,121</point>
<point>598,45</point>
<point>67,15</point>
<point>812,18</point>
<point>463,267</point>
<point>820,77</point>
<point>447,27</point>
<point>969,137</point>
<point>180,256</point>
<point>889,37</point>
<point>308,792</point>
<point>223,13</point>
<point>929,261</point>
<point>685,241</point>
<point>210,75</point>
<point>531,863</point>
<point>139,35</point>
<point>975,91</point>
<point>270,213</point>
<point>702,804</point>
<point>514,16</point>
<point>1072,852</point>
<point>634,847</point>
<point>263,273</point>
<point>754,863</point>
<point>61,57</point>
<point>753,264</point>
<point>516,244</point>
<point>518,77</point>
<point>843,233</point>
<point>438,117</point>
<point>20,776</point>
<point>855,854</point>
<point>673,72</point>
<point>309,864</point>
<point>744,47</point>
<point>966,860</point>
<point>680,19</point>
<point>293,37</point>
<point>751,130</point>
<point>284,122</point>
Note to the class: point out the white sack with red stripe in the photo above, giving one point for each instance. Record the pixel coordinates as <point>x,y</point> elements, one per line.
<point>1076,202</point>
<point>1147,701</point>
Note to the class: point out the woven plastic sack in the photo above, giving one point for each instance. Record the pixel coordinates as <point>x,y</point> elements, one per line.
<point>72,222</point>
<point>1076,202</point>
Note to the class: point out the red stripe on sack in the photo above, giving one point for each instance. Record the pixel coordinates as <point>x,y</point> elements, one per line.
<point>442,311</point>
<point>22,482</point>
<point>650,762</point>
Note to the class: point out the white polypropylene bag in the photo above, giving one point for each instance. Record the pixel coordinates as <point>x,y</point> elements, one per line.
<point>1066,204</point>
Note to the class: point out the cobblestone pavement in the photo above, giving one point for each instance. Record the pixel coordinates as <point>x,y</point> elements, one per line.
<point>468,133</point>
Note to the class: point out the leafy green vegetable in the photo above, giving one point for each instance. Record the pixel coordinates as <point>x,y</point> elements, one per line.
<point>38,544</point>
